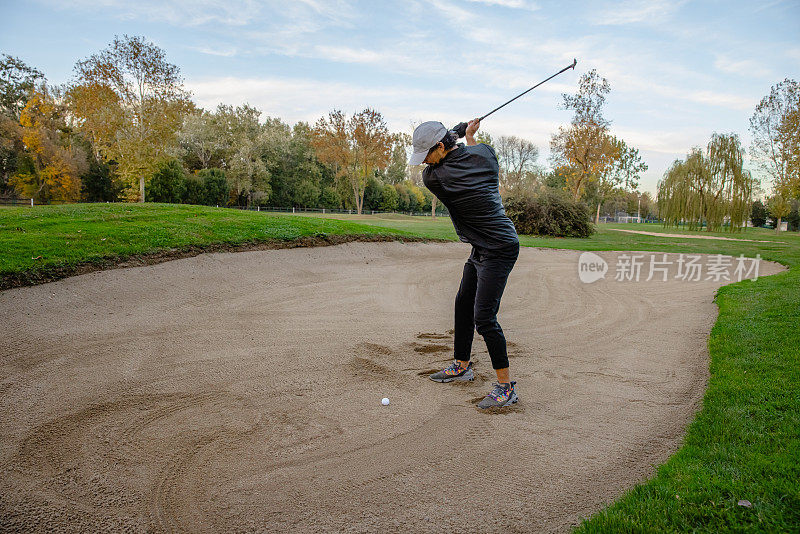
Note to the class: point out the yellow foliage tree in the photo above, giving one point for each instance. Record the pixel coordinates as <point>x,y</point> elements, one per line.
<point>57,163</point>
<point>132,102</point>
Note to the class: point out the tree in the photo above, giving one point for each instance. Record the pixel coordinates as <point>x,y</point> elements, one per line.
<point>396,171</point>
<point>585,149</point>
<point>758,214</point>
<point>244,143</point>
<point>776,136</point>
<point>133,102</point>
<point>707,188</point>
<point>390,198</point>
<point>96,183</point>
<point>306,194</point>
<point>587,103</point>
<point>215,184</point>
<point>779,207</point>
<point>794,217</point>
<point>330,198</point>
<point>789,134</point>
<point>517,159</point>
<point>485,138</point>
<point>355,147</point>
<point>583,153</point>
<point>622,172</point>
<point>56,161</point>
<point>202,140</point>
<point>168,183</point>
<point>194,190</point>
<point>17,83</point>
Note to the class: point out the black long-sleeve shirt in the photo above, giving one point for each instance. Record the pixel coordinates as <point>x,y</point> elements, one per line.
<point>467,181</point>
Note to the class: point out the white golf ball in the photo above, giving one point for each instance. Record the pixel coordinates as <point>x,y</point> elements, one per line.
<point>385,401</point>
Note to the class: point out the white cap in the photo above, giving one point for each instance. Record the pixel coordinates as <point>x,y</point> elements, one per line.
<point>426,136</point>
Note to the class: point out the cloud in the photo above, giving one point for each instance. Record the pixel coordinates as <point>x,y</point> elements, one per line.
<point>514,4</point>
<point>636,11</point>
<point>175,12</point>
<point>228,52</point>
<point>233,13</point>
<point>741,67</point>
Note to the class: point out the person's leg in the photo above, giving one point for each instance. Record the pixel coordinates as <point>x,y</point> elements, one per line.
<point>492,274</point>
<point>464,328</point>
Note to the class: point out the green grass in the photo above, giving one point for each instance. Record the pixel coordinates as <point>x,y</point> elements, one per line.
<point>743,444</point>
<point>47,237</point>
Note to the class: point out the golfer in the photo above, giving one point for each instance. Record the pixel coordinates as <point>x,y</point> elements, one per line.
<point>466,180</point>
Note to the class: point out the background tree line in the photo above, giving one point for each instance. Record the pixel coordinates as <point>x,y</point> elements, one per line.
<point>124,128</point>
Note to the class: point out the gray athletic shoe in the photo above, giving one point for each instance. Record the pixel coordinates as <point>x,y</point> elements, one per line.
<point>454,372</point>
<point>501,395</point>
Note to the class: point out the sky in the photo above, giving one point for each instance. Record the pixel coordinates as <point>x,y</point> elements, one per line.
<point>679,70</point>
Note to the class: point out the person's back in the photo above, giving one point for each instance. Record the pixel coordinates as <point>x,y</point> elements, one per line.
<point>466,180</point>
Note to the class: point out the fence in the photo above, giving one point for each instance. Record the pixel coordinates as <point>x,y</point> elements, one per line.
<point>16,201</point>
<point>627,219</point>
<point>328,210</point>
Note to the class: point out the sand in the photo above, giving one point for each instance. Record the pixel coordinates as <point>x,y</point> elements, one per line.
<point>241,392</point>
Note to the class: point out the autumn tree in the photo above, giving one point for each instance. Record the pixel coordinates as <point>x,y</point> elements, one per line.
<point>132,102</point>
<point>583,153</point>
<point>775,126</point>
<point>356,147</point>
<point>17,83</point>
<point>584,150</point>
<point>56,161</point>
<point>592,161</point>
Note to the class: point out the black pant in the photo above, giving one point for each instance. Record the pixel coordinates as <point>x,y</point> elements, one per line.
<point>478,299</point>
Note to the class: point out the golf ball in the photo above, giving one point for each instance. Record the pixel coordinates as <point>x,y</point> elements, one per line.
<point>385,401</point>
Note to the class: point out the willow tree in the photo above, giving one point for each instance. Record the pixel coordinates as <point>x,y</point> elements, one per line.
<point>132,102</point>
<point>707,188</point>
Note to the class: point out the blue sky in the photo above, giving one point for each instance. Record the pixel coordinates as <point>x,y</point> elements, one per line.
<point>679,70</point>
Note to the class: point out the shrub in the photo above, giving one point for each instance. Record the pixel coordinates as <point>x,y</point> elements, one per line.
<point>550,214</point>
<point>195,190</point>
<point>168,184</point>
<point>217,189</point>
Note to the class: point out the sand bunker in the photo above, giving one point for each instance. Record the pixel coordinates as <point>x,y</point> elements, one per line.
<point>687,236</point>
<point>242,392</point>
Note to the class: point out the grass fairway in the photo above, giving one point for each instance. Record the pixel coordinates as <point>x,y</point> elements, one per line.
<point>743,444</point>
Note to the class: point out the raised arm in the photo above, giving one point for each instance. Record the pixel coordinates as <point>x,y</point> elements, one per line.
<point>472,127</point>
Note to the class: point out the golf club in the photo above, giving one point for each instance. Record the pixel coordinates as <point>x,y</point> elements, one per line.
<point>461,128</point>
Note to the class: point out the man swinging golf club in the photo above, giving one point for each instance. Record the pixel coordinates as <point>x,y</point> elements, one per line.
<point>466,180</point>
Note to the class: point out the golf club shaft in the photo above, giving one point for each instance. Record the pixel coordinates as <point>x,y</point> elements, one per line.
<point>572,66</point>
